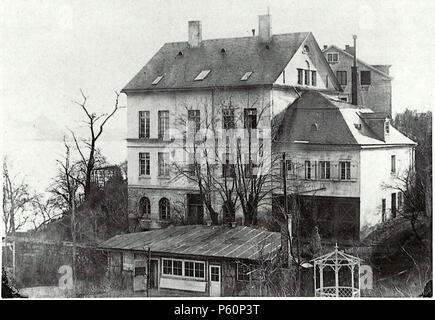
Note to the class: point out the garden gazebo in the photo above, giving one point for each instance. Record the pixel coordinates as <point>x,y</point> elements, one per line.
<point>337,260</point>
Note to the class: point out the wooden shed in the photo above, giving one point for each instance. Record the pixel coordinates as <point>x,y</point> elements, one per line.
<point>193,260</point>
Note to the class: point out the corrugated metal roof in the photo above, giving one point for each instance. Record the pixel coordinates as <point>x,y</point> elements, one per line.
<point>199,240</point>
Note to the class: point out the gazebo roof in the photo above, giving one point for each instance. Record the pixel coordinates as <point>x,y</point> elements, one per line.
<point>337,257</point>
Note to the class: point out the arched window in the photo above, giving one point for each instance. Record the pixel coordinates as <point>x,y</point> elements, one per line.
<point>145,207</point>
<point>308,64</point>
<point>164,209</point>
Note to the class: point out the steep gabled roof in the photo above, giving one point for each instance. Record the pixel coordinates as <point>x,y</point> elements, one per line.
<point>317,119</point>
<point>372,67</point>
<point>241,55</point>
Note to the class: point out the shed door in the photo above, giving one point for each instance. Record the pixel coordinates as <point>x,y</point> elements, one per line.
<point>215,281</point>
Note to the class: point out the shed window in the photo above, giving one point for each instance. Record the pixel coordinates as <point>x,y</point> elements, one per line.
<point>246,76</point>
<point>201,76</point>
<point>184,268</point>
<point>243,272</point>
<point>157,80</point>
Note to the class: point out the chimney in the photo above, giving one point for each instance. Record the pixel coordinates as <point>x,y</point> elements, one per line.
<point>350,49</point>
<point>195,34</point>
<point>354,75</point>
<point>264,28</point>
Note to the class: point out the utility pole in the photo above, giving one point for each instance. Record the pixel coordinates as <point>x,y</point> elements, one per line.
<point>285,230</point>
<point>148,271</point>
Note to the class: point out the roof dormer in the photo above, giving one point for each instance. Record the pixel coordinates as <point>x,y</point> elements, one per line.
<point>379,122</point>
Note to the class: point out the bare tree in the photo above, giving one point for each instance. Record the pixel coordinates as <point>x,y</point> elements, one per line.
<point>95,125</point>
<point>17,200</point>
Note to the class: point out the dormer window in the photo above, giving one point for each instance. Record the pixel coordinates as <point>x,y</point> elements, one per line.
<point>202,75</point>
<point>157,80</point>
<point>387,127</point>
<point>332,57</point>
<point>246,76</point>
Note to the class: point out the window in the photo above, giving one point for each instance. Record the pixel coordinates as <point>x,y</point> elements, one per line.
<point>193,166</point>
<point>344,170</point>
<point>177,267</point>
<point>399,199</point>
<point>157,80</point>
<point>174,267</point>
<point>332,57</point>
<point>393,164</point>
<point>201,76</point>
<point>243,272</point>
<point>228,169</point>
<point>342,77</point>
<point>167,266</point>
<point>289,167</point>
<point>393,205</point>
<point>163,164</point>
<point>199,270</point>
<point>251,118</point>
<point>384,209</point>
<point>307,77</point>
<point>365,78</point>
<point>387,127</point>
<point>214,273</point>
<point>313,78</point>
<point>308,170</point>
<point>246,76</point>
<point>228,118</point>
<point>194,121</point>
<point>325,169</point>
<point>145,207</point>
<point>144,124</point>
<point>300,76</point>
<point>164,209</point>
<point>144,163</point>
<point>189,268</point>
<point>163,124</point>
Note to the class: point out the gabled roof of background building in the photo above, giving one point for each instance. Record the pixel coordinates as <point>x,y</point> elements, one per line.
<point>200,240</point>
<point>242,55</point>
<point>372,67</point>
<point>315,118</point>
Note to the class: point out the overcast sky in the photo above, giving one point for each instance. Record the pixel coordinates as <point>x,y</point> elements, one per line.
<point>50,49</point>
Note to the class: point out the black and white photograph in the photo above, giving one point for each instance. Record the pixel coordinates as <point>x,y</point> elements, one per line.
<point>206,150</point>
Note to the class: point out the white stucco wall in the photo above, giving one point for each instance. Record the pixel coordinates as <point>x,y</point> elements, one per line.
<point>208,102</point>
<point>299,61</point>
<point>375,176</point>
<point>334,187</point>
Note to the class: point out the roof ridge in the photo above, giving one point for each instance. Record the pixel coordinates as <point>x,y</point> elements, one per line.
<point>244,37</point>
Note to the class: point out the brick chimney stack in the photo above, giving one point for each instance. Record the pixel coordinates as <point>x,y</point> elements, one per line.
<point>195,33</point>
<point>264,28</point>
<point>354,75</point>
